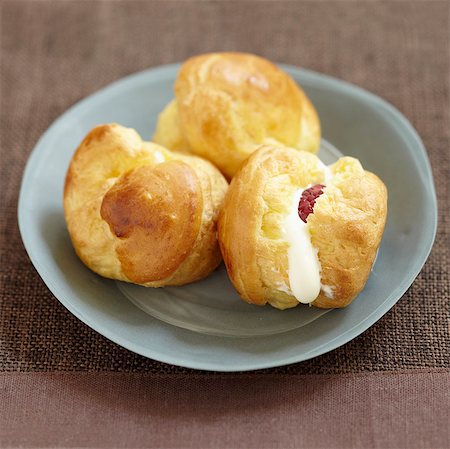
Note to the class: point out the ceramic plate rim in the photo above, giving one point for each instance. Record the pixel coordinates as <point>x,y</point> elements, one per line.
<point>417,151</point>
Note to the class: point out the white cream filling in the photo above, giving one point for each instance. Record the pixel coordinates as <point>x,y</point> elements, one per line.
<point>326,170</point>
<point>327,290</point>
<point>304,266</point>
<point>159,157</point>
<point>282,287</point>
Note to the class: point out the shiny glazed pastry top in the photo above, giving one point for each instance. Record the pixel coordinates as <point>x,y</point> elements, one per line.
<point>227,104</point>
<point>140,213</point>
<point>294,231</point>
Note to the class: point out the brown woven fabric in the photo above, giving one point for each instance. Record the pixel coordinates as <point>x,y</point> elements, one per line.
<point>55,53</point>
<point>123,410</point>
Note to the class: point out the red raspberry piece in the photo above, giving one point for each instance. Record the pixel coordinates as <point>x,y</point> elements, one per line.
<point>308,199</point>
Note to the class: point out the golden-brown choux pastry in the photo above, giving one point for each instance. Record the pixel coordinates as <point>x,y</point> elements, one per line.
<point>227,104</point>
<point>293,230</point>
<point>140,213</point>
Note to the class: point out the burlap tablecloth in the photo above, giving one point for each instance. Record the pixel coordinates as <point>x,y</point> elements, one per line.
<point>53,53</point>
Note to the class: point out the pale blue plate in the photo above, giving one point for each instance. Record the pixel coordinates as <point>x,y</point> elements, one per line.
<point>353,120</point>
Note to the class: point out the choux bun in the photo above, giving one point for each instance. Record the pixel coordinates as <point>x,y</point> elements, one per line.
<point>227,104</point>
<point>343,210</point>
<point>140,213</point>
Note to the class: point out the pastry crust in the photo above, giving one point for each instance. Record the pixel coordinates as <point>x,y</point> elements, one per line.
<point>168,131</point>
<point>140,213</point>
<point>228,104</point>
<point>346,226</point>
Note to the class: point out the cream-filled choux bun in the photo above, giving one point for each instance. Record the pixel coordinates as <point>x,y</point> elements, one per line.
<point>140,213</point>
<point>228,104</point>
<point>293,230</point>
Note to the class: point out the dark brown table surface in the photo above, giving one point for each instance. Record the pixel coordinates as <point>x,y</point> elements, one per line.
<point>64,385</point>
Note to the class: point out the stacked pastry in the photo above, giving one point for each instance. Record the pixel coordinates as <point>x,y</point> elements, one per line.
<point>290,229</point>
<point>140,213</point>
